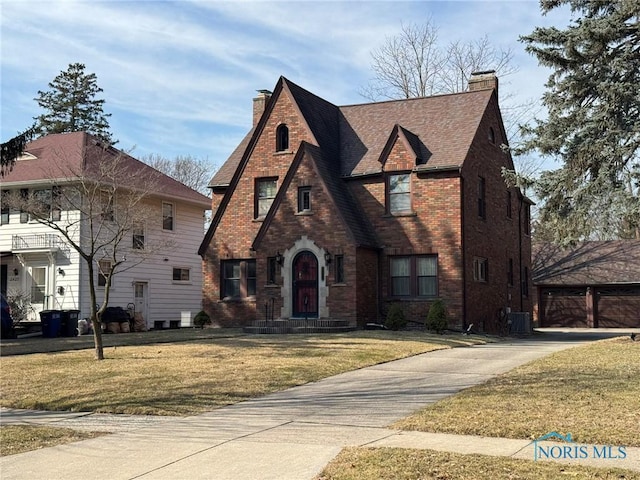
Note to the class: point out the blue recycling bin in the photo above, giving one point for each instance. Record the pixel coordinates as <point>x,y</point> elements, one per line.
<point>51,322</point>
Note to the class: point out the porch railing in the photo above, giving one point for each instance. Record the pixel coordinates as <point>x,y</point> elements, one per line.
<point>39,242</point>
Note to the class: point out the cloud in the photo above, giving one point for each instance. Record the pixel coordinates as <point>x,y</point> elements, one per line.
<point>178,76</point>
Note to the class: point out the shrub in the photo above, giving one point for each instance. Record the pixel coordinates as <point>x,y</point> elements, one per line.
<point>201,319</point>
<point>395,318</point>
<point>437,317</point>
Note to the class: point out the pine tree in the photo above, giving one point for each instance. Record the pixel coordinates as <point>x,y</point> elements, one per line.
<point>593,122</point>
<point>71,105</point>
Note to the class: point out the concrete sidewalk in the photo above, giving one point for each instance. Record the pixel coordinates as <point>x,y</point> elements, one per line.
<point>291,434</point>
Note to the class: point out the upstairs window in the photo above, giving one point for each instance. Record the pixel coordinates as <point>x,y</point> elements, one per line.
<point>480,270</point>
<point>167,216</point>
<point>509,204</point>
<point>44,204</point>
<point>304,199</point>
<point>106,204</point>
<point>492,136</point>
<point>5,208</point>
<point>104,272</point>
<point>399,193</point>
<point>138,236</point>
<point>264,195</point>
<point>282,138</point>
<point>24,197</point>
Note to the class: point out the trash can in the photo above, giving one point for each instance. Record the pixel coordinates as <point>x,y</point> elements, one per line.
<point>51,323</point>
<point>69,323</point>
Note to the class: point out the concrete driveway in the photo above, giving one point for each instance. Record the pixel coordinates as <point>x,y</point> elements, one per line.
<point>291,434</point>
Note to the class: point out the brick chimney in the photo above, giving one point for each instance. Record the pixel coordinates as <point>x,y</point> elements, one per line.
<point>483,81</point>
<point>259,104</point>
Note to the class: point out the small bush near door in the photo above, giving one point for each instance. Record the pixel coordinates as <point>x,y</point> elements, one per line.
<point>437,317</point>
<point>396,319</point>
<point>201,319</point>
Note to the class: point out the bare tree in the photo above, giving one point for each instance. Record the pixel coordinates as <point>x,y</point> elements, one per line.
<point>413,64</point>
<point>194,172</point>
<point>97,208</point>
<point>406,65</point>
<point>464,58</point>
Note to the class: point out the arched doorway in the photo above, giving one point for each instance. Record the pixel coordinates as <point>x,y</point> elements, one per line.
<point>305,285</point>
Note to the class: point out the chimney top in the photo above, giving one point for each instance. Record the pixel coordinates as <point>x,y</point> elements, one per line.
<point>259,104</point>
<point>484,80</point>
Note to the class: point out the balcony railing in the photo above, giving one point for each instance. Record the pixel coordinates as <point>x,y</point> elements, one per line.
<point>43,242</point>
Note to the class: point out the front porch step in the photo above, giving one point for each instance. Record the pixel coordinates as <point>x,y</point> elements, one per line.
<point>299,325</point>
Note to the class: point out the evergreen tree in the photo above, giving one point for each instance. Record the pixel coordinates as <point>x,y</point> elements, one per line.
<point>71,105</point>
<point>12,149</point>
<point>593,122</point>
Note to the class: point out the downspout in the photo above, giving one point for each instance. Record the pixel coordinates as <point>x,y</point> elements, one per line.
<point>464,256</point>
<point>379,286</point>
<point>520,249</point>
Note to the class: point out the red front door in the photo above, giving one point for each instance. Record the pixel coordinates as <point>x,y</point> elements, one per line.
<point>305,285</point>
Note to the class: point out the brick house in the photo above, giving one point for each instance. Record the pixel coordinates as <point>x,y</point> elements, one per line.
<point>335,212</point>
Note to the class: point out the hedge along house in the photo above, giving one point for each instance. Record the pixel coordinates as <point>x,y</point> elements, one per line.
<point>330,212</point>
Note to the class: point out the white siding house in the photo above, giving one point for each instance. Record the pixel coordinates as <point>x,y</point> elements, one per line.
<point>164,283</point>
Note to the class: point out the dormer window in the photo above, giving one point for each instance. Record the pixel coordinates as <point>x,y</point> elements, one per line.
<point>492,136</point>
<point>399,193</point>
<point>282,138</point>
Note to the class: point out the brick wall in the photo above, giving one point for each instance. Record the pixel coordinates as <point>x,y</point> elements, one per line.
<point>237,228</point>
<point>497,237</point>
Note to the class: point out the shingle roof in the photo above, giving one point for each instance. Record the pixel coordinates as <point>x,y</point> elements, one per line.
<point>65,156</point>
<point>587,263</point>
<point>440,130</point>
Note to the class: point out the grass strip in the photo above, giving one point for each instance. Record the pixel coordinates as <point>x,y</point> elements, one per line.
<point>22,438</point>
<point>591,391</point>
<point>409,464</point>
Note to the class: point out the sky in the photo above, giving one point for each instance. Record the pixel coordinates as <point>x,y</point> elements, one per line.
<point>178,77</point>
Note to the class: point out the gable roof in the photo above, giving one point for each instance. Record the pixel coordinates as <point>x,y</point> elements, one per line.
<point>357,227</point>
<point>587,263</point>
<point>439,130</point>
<point>64,156</point>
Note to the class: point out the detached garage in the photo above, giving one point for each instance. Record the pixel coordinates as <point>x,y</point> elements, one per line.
<point>594,284</point>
